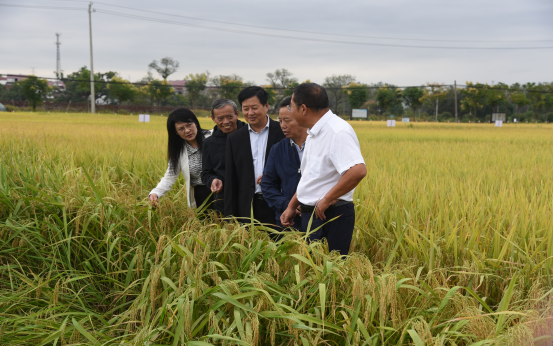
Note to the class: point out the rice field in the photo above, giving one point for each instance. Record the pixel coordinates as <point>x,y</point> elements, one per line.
<point>453,244</point>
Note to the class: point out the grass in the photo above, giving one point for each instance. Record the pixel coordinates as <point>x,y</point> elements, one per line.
<point>453,244</point>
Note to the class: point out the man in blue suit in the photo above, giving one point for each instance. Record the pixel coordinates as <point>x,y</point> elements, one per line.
<point>282,172</point>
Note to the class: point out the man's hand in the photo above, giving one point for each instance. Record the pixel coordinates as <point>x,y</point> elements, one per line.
<point>154,199</point>
<point>287,218</point>
<point>258,181</point>
<point>216,186</point>
<point>322,206</point>
<point>298,211</point>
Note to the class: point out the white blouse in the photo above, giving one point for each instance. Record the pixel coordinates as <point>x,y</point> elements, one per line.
<point>169,178</point>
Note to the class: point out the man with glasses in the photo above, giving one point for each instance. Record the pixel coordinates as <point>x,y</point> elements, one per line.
<point>247,152</point>
<point>282,172</point>
<point>224,114</point>
<point>332,166</point>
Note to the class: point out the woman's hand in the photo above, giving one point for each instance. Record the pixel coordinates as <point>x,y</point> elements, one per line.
<point>154,199</point>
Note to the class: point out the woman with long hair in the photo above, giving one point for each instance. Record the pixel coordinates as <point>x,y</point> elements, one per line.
<point>184,154</point>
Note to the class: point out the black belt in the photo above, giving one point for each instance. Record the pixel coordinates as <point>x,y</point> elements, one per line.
<point>258,196</point>
<point>309,208</point>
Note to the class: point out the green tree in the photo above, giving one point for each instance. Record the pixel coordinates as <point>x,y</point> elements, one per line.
<point>272,94</point>
<point>281,78</point>
<point>520,100</point>
<point>534,95</point>
<point>13,93</point>
<point>283,83</point>
<point>78,85</point>
<point>474,96</point>
<point>229,86</point>
<point>495,96</point>
<point>334,86</point>
<point>433,93</point>
<point>159,90</point>
<point>121,90</point>
<point>195,84</point>
<point>548,104</point>
<point>289,89</point>
<point>166,67</point>
<point>357,94</point>
<point>34,90</point>
<point>387,97</point>
<point>412,97</point>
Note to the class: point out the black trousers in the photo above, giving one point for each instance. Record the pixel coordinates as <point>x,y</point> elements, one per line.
<point>201,193</point>
<point>262,212</point>
<point>338,233</point>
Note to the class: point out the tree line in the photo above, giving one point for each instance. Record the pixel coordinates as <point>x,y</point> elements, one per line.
<point>433,101</point>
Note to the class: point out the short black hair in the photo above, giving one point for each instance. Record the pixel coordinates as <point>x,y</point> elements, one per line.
<point>312,95</point>
<point>286,102</point>
<point>252,91</point>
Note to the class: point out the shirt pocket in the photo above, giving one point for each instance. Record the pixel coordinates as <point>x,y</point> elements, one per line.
<point>313,168</point>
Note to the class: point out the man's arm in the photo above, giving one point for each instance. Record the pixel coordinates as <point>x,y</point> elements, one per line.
<point>207,174</point>
<point>348,181</point>
<point>271,183</point>
<point>230,181</point>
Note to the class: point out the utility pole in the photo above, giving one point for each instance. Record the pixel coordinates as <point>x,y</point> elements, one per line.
<point>455,92</point>
<point>58,57</point>
<point>92,98</point>
<point>437,100</point>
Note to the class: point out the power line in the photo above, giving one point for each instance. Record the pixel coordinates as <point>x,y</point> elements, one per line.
<point>119,14</point>
<point>44,7</point>
<point>315,32</point>
<point>278,35</point>
<point>311,32</point>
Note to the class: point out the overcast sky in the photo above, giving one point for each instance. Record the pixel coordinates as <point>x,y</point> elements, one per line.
<point>128,45</point>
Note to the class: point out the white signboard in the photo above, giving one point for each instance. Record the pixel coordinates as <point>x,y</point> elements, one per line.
<point>498,123</point>
<point>390,123</point>
<point>144,118</point>
<point>359,113</point>
<point>404,120</point>
<point>499,116</point>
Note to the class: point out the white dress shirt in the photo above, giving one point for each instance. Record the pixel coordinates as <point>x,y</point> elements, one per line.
<point>258,142</point>
<point>331,149</point>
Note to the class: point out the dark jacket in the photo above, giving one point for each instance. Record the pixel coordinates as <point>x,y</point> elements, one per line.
<point>281,176</point>
<point>213,162</point>
<point>213,155</point>
<point>240,178</point>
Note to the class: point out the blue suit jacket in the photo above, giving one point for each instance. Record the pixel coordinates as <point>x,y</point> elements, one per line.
<point>281,177</point>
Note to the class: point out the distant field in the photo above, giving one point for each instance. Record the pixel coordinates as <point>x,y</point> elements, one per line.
<point>453,243</point>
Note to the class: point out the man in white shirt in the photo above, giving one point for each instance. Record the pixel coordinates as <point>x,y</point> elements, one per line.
<point>332,167</point>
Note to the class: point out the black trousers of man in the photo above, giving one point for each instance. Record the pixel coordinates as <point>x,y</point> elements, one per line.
<point>338,233</point>
<point>264,214</point>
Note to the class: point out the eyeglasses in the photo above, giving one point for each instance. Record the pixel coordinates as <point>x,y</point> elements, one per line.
<point>229,117</point>
<point>289,107</point>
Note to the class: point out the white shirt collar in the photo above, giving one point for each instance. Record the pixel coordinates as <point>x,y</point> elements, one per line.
<point>266,125</point>
<point>319,124</point>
